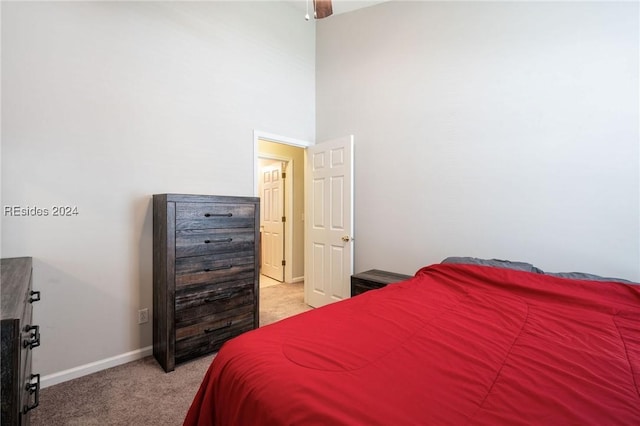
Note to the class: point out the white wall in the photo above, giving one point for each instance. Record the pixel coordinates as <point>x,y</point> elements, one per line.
<point>490,129</point>
<point>107,103</point>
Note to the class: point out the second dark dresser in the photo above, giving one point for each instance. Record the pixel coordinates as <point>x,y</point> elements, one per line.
<point>20,388</point>
<point>374,279</point>
<point>205,273</point>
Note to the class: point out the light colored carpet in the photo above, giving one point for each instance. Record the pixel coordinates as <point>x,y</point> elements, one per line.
<point>140,392</point>
<point>281,301</point>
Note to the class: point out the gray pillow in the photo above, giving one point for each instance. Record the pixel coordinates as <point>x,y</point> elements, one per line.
<point>527,267</point>
<point>585,276</point>
<point>507,264</point>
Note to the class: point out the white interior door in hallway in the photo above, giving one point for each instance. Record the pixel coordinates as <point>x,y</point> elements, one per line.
<point>329,222</point>
<point>272,229</point>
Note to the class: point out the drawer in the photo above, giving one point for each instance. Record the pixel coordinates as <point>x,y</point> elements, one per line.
<point>30,388</point>
<point>214,215</point>
<point>359,288</point>
<point>218,271</point>
<point>26,340</point>
<point>213,263</point>
<point>213,322</point>
<point>218,332</point>
<point>196,242</point>
<point>208,301</point>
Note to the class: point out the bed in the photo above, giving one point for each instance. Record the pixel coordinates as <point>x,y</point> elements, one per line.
<point>458,343</point>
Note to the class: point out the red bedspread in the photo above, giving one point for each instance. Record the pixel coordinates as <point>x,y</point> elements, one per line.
<point>456,344</point>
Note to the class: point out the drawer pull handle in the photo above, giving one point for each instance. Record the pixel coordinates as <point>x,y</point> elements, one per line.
<point>33,389</point>
<point>220,240</point>
<point>35,296</point>
<point>212,330</point>
<point>218,268</point>
<point>218,214</point>
<point>34,338</point>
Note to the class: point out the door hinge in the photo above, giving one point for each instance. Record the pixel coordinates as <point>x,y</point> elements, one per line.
<point>284,175</point>
<point>284,263</point>
<point>284,218</point>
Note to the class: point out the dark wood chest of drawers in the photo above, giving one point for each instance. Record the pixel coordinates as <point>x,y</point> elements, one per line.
<point>20,388</point>
<point>205,273</point>
<point>373,279</point>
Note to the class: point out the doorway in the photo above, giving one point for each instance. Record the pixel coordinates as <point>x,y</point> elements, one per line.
<point>328,234</point>
<point>274,155</point>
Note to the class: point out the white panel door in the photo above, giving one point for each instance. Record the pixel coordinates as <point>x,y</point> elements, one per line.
<point>272,201</point>
<point>329,222</point>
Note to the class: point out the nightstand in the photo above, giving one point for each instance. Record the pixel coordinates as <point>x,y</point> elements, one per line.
<point>373,279</point>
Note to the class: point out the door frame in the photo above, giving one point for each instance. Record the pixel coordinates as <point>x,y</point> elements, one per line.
<point>288,226</point>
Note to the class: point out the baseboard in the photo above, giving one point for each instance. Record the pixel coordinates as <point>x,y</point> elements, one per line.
<point>297,279</point>
<point>94,367</point>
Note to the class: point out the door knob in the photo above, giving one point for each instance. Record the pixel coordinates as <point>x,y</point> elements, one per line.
<point>346,239</point>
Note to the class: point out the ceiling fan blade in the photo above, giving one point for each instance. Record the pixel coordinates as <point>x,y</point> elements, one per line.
<point>322,8</point>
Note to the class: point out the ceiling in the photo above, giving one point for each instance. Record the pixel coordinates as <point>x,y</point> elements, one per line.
<point>339,6</point>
